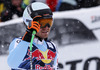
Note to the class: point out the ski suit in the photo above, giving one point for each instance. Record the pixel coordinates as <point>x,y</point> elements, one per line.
<point>44,55</point>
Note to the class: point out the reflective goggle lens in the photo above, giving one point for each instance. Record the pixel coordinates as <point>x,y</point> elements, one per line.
<point>45,22</point>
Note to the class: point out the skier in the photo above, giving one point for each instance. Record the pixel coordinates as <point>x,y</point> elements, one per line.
<point>37,16</point>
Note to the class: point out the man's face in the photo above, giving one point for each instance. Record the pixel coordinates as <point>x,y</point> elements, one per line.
<point>44,31</point>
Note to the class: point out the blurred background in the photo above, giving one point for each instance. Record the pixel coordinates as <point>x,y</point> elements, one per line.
<point>75,31</point>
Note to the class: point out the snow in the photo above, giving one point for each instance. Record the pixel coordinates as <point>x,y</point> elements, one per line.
<point>3,63</point>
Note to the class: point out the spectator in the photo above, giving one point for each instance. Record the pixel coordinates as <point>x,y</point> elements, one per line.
<point>58,5</point>
<point>25,3</point>
<point>2,7</point>
<point>52,4</point>
<point>67,5</point>
<point>13,9</point>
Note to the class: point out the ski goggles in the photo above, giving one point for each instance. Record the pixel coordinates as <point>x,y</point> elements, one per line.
<point>45,22</point>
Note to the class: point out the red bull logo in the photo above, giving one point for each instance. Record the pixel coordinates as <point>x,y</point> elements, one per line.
<point>46,67</point>
<point>45,56</point>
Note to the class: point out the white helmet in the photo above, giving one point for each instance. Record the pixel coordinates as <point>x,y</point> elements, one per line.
<point>35,11</point>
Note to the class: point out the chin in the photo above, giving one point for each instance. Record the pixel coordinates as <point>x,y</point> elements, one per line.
<point>45,36</point>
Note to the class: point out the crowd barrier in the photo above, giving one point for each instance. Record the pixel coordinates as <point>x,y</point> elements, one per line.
<point>75,32</point>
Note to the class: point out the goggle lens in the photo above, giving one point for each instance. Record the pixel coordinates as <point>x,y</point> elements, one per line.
<point>45,22</point>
